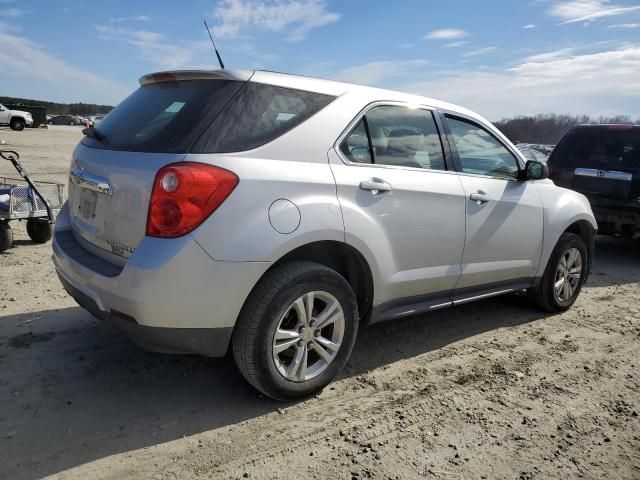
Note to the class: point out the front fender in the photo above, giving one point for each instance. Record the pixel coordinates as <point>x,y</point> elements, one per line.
<point>562,209</point>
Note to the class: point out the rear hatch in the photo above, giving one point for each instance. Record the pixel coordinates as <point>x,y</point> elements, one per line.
<point>113,170</point>
<point>600,161</point>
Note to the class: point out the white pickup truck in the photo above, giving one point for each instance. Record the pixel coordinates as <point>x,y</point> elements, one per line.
<point>16,119</point>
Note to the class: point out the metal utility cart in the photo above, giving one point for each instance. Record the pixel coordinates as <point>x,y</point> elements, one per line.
<point>23,199</point>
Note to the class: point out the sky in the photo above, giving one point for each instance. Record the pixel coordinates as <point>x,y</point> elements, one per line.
<point>500,58</point>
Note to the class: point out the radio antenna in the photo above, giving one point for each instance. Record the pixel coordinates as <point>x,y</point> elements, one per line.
<point>214,45</point>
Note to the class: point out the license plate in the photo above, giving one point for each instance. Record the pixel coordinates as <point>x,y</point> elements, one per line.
<point>88,203</point>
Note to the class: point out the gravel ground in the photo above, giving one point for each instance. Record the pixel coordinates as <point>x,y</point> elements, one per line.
<point>493,390</point>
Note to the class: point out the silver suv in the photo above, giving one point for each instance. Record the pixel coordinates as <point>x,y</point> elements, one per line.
<point>277,214</point>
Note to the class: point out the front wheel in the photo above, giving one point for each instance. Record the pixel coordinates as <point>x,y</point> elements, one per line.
<point>39,231</point>
<point>564,275</point>
<point>17,124</point>
<point>296,330</point>
<point>6,236</point>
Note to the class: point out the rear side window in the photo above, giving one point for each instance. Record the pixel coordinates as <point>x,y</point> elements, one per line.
<point>164,117</point>
<point>400,136</point>
<point>356,146</point>
<point>257,115</point>
<point>602,148</point>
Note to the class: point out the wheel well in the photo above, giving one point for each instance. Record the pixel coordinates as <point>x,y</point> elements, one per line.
<point>583,229</point>
<point>345,260</point>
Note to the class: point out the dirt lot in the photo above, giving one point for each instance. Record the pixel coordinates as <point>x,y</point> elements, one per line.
<point>489,390</point>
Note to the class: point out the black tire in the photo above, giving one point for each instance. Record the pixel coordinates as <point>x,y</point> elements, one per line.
<point>269,301</point>
<point>17,124</point>
<point>544,295</point>
<point>39,231</point>
<point>50,122</point>
<point>6,236</point>
<point>71,122</point>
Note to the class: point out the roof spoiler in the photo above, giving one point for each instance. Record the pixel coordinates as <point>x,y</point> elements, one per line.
<point>179,75</point>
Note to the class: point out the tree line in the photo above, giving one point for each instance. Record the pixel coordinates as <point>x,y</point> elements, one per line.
<point>549,128</point>
<point>53,108</point>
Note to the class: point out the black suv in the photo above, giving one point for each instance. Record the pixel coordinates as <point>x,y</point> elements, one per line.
<point>603,163</point>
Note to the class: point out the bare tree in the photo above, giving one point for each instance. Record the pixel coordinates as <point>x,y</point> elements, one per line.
<point>549,128</point>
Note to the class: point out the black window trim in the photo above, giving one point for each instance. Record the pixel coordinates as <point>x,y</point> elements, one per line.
<point>448,156</point>
<point>454,150</point>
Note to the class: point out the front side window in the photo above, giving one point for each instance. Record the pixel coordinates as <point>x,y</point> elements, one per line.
<point>400,136</point>
<point>480,152</point>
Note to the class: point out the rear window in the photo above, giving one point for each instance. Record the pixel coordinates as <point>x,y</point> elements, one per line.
<point>165,117</point>
<point>600,148</point>
<point>205,116</point>
<point>259,114</point>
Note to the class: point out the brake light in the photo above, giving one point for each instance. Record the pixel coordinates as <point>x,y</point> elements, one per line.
<point>184,195</point>
<point>164,77</point>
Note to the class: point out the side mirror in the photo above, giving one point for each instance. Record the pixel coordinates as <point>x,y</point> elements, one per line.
<point>535,171</point>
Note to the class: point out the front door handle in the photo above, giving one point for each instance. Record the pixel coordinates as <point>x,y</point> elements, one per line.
<point>480,197</point>
<point>375,186</point>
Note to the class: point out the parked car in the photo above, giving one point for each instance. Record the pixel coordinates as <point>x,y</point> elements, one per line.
<point>531,152</point>
<point>65,120</point>
<point>603,162</point>
<point>16,119</point>
<point>279,214</point>
<point>94,120</point>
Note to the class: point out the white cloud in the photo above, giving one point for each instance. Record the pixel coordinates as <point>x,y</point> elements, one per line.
<point>625,25</point>
<point>529,26</point>
<point>480,51</point>
<point>139,18</point>
<point>9,28</point>
<point>407,45</point>
<point>603,83</point>
<point>29,71</point>
<point>587,10</point>
<point>446,34</point>
<point>378,73</point>
<point>155,47</point>
<point>294,17</point>
<point>550,55</point>
<point>455,44</point>
<point>14,12</point>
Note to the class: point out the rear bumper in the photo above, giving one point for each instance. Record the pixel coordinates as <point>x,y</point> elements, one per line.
<point>210,342</point>
<point>180,300</point>
<point>621,215</point>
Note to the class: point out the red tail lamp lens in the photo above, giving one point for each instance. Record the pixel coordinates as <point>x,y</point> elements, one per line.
<point>184,195</point>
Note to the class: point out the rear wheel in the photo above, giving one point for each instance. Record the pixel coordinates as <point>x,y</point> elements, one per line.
<point>39,231</point>
<point>564,275</point>
<point>71,122</point>
<point>296,330</point>
<point>6,236</point>
<point>17,124</point>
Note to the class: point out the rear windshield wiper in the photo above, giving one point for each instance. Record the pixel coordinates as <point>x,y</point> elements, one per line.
<point>93,133</point>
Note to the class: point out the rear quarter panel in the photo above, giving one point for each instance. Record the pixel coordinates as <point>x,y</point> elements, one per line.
<point>241,230</point>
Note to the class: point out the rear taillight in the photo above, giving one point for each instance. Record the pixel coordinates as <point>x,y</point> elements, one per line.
<point>184,195</point>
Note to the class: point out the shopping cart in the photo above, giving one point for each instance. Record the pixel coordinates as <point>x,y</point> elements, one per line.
<point>23,199</point>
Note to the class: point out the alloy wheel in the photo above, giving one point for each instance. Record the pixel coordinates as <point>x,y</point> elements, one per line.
<point>568,275</point>
<point>308,336</point>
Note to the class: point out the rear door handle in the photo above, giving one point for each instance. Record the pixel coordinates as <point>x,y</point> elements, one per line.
<point>480,197</point>
<point>375,186</point>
